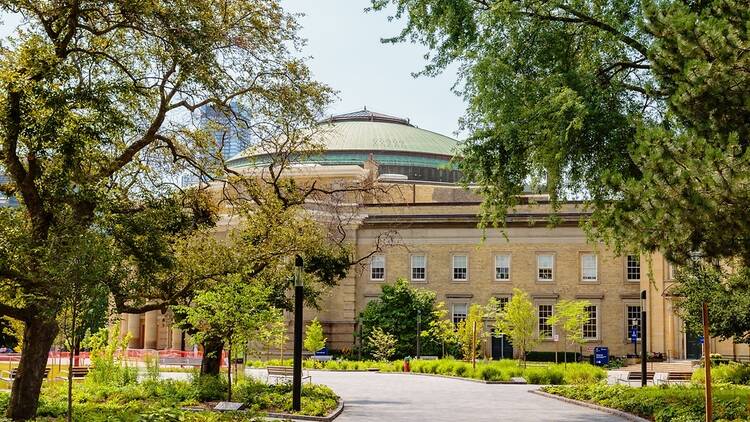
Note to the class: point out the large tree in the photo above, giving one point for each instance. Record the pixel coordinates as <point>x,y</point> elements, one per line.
<point>98,107</point>
<point>638,106</point>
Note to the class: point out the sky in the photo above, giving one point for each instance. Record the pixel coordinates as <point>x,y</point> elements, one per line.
<point>343,43</point>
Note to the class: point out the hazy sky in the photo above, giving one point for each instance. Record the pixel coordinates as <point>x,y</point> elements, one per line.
<point>344,43</point>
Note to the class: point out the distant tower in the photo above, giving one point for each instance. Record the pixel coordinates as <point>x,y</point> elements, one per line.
<point>232,135</point>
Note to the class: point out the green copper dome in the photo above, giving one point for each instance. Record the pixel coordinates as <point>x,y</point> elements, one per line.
<point>393,142</point>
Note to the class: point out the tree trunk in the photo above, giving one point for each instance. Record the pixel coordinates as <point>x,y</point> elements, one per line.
<point>38,336</point>
<point>211,362</point>
<point>229,374</point>
<point>70,363</point>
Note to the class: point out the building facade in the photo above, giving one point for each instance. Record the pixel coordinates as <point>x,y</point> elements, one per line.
<point>441,248</point>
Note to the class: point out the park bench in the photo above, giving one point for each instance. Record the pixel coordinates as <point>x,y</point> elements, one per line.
<point>636,376</point>
<point>678,376</point>
<point>9,376</point>
<point>284,373</point>
<point>78,372</point>
<point>180,361</point>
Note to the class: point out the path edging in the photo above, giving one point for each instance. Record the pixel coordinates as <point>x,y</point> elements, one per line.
<point>331,416</point>
<point>611,411</point>
<point>456,378</point>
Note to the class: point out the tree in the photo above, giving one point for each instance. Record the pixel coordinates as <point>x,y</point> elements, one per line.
<point>273,334</point>
<point>441,329</point>
<point>396,312</point>
<point>569,316</point>
<point>97,112</point>
<point>518,321</point>
<point>637,106</point>
<point>232,311</point>
<point>470,332</point>
<point>314,339</point>
<point>382,344</point>
<point>8,336</point>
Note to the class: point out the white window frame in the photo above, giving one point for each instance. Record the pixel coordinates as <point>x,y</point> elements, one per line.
<point>551,268</point>
<point>453,311</point>
<point>670,271</point>
<point>583,268</point>
<point>372,268</point>
<point>627,268</point>
<point>597,318</point>
<point>412,267</point>
<point>539,320</point>
<point>507,255</point>
<point>454,268</point>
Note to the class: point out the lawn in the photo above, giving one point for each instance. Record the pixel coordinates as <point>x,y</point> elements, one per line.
<point>500,370</point>
<point>663,403</point>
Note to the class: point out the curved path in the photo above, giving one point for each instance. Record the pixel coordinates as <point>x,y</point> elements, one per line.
<point>400,397</point>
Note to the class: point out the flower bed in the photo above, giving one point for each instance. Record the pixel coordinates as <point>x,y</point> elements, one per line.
<point>663,403</point>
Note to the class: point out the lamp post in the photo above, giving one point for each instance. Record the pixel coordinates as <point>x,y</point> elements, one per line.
<point>419,330</point>
<point>696,257</point>
<point>644,353</point>
<point>298,296</point>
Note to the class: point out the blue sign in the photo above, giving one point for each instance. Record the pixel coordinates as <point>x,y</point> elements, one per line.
<point>634,335</point>
<point>601,355</point>
<point>700,339</point>
<point>322,352</point>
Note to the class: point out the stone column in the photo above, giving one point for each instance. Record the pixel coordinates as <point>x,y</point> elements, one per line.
<point>151,330</point>
<point>176,338</point>
<point>123,325</point>
<point>134,328</point>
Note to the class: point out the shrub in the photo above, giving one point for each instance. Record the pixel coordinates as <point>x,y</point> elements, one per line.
<point>492,373</point>
<point>209,387</point>
<point>733,373</point>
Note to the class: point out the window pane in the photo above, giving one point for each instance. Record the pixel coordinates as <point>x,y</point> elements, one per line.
<point>634,267</point>
<point>418,269</point>
<point>377,267</point>
<point>502,267</point>
<point>459,267</point>
<point>544,267</point>
<point>589,328</point>
<point>588,267</point>
<point>634,320</point>
<point>459,312</point>
<point>545,329</point>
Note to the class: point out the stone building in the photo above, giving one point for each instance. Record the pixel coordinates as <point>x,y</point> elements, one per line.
<point>442,249</point>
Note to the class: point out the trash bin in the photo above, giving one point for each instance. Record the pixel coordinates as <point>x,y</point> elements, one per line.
<point>407,367</point>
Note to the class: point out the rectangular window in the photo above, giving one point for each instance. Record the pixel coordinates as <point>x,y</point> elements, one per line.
<point>377,267</point>
<point>588,267</point>
<point>633,267</point>
<point>545,329</point>
<point>460,267</point>
<point>502,267</point>
<point>589,327</point>
<point>634,321</point>
<point>503,302</point>
<point>459,312</point>
<point>545,264</point>
<point>418,267</point>
<point>670,271</point>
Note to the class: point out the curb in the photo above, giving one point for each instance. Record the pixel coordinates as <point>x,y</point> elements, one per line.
<point>333,415</point>
<point>422,374</point>
<point>620,413</point>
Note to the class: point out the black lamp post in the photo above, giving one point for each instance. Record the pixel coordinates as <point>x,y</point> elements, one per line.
<point>644,354</point>
<point>298,296</point>
<point>419,330</point>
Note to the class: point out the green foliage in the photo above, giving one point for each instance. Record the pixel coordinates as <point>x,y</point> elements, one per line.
<point>569,317</point>
<point>732,373</point>
<point>662,404</point>
<point>396,311</point>
<point>382,344</point>
<point>518,321</point>
<point>441,329</point>
<point>317,400</point>
<point>209,387</point>
<point>470,332</point>
<point>314,339</point>
<point>8,337</point>
<point>105,370</point>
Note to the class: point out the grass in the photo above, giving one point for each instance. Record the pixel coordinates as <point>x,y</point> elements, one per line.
<point>663,403</point>
<point>501,370</point>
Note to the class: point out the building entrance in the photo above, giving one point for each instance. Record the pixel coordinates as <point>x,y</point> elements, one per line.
<point>501,347</point>
<point>693,346</point>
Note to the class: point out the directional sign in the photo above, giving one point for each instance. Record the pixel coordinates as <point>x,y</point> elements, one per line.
<point>700,339</point>
<point>634,335</point>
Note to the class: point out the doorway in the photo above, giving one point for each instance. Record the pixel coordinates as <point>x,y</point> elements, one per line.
<point>693,345</point>
<point>501,347</point>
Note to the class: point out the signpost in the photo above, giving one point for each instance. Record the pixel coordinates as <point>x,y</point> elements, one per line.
<point>601,355</point>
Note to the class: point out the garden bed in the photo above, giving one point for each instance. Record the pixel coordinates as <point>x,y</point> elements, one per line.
<point>492,371</point>
<point>662,403</point>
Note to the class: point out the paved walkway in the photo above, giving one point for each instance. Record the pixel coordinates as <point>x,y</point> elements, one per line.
<point>398,397</point>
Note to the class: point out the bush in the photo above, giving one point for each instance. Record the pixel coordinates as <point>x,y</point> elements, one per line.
<point>209,387</point>
<point>550,357</point>
<point>317,400</point>
<point>732,373</point>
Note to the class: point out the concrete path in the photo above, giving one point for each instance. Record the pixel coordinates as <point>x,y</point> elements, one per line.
<point>414,398</point>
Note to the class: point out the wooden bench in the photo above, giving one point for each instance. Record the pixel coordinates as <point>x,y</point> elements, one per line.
<point>678,376</point>
<point>186,361</point>
<point>78,372</point>
<point>9,376</point>
<point>284,373</point>
<point>636,376</point>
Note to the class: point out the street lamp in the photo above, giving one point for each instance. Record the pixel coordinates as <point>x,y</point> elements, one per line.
<point>696,257</point>
<point>419,322</point>
<point>644,353</point>
<point>298,296</point>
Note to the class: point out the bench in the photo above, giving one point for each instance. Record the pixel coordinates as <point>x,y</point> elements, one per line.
<point>78,372</point>
<point>284,373</point>
<point>636,376</point>
<point>678,377</point>
<point>9,376</point>
<point>187,361</point>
